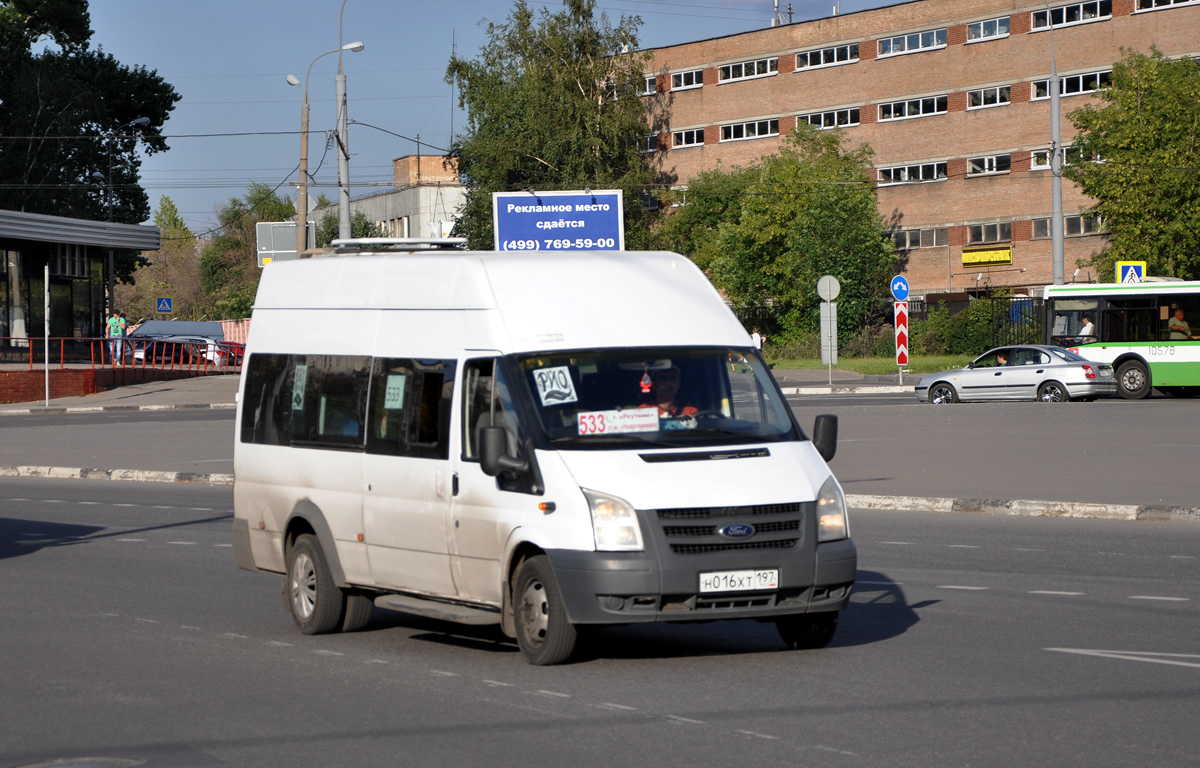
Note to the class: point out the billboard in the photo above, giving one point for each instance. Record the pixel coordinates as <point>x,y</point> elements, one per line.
<point>587,220</point>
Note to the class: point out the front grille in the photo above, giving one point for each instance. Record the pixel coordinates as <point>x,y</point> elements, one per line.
<point>776,526</point>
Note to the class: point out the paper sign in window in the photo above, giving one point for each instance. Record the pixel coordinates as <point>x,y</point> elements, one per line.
<point>555,386</point>
<point>393,393</point>
<point>298,383</point>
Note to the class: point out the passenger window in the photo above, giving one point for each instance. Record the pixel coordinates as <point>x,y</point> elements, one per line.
<point>410,408</point>
<point>487,401</point>
<point>311,400</point>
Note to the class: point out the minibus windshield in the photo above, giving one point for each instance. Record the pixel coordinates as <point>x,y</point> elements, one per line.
<point>617,398</point>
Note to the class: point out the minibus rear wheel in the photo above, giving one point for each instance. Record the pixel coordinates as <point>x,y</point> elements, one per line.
<point>316,602</point>
<point>807,631</point>
<point>544,634</point>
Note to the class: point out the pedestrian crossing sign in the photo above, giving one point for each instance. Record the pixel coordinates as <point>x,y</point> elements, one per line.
<point>162,305</point>
<point>1131,271</point>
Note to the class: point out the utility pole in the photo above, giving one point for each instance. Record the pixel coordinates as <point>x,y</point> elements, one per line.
<point>342,142</point>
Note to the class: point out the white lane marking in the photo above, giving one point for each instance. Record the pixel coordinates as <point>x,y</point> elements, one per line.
<point>549,694</point>
<point>618,707</point>
<point>498,684</point>
<point>199,509</point>
<point>186,543</point>
<point>1159,597</point>
<point>156,506</point>
<point>222,545</point>
<point>233,636</point>
<point>124,505</point>
<point>880,583</point>
<point>440,673</point>
<point>758,735</point>
<point>1153,658</point>
<point>1183,557</point>
<point>52,501</point>
<point>956,586</point>
<point>185,626</point>
<point>88,503</point>
<point>278,644</point>
<point>836,751</point>
<point>964,546</point>
<point>1028,549</point>
<point>374,661</point>
<point>1052,592</point>
<point>130,539</point>
<point>688,720</point>
<point>898,543</point>
<point>147,621</point>
<point>328,653</point>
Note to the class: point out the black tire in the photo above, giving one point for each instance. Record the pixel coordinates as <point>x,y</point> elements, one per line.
<point>317,604</point>
<point>359,606</point>
<point>544,633</point>
<point>1133,380</point>
<point>807,631</point>
<point>1053,392</point>
<point>942,393</point>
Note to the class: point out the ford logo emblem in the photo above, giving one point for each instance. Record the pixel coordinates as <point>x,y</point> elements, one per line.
<point>736,531</point>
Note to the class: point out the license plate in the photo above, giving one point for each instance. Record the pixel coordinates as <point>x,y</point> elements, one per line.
<point>738,581</point>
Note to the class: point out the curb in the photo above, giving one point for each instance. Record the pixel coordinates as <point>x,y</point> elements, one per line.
<point>113,408</point>
<point>847,390</point>
<point>1026,508</point>
<point>137,475</point>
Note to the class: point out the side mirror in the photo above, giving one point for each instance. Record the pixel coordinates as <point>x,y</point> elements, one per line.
<point>493,452</point>
<point>825,431</point>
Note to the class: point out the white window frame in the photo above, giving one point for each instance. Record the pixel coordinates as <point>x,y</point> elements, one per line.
<point>770,65</point>
<point>1063,82</point>
<point>1084,224</point>
<point>930,237</point>
<point>906,41</point>
<point>1158,5</point>
<point>990,165</point>
<point>1001,97</point>
<point>852,117</point>
<point>648,144</point>
<point>679,138</point>
<point>649,85</point>
<point>921,103</point>
<point>762,129</point>
<point>1046,17</point>
<point>995,232</point>
<point>926,173</point>
<point>835,53</point>
<point>980,30</point>
<point>695,75</point>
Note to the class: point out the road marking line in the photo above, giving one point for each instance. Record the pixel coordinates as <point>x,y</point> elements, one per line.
<point>1183,557</point>
<point>440,673</point>
<point>1028,549</point>
<point>964,546</point>
<point>87,502</point>
<point>130,539</point>
<point>899,543</point>
<point>328,653</point>
<point>188,543</point>
<point>1052,592</point>
<point>688,720</point>
<point>160,507</point>
<point>620,707</point>
<point>1153,658</point>
<point>124,505</point>
<point>758,735</point>
<point>955,586</point>
<point>498,684</point>
<point>222,545</point>
<point>185,626</point>
<point>52,501</point>
<point>550,694</point>
<point>233,636</point>
<point>1159,597</point>
<point>880,583</point>
<point>278,644</point>
<point>374,661</point>
<point>147,621</point>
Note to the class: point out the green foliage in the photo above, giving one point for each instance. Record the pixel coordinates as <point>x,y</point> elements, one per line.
<point>328,226</point>
<point>170,223</point>
<point>1147,189</point>
<point>766,234</point>
<point>551,104</point>
<point>88,97</point>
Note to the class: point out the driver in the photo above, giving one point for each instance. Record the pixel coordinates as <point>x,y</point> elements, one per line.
<point>666,395</point>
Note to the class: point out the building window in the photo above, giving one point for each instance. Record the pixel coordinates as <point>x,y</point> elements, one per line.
<point>987,30</point>
<point>989,97</point>
<point>912,174</point>
<point>1072,85</point>
<point>648,144</point>
<point>693,78</point>
<point>908,239</point>
<point>1075,13</point>
<point>989,233</point>
<point>755,129</point>
<point>1082,225</point>
<point>1149,5</point>
<point>982,166</point>
<point>688,138</point>
<point>68,260</point>
<point>911,43</point>
<point>827,57</point>
<point>745,70</point>
<point>900,110</point>
<point>1041,229</point>
<point>835,118</point>
<point>649,86</point>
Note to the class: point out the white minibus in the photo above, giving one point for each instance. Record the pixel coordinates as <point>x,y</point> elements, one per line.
<point>541,441</point>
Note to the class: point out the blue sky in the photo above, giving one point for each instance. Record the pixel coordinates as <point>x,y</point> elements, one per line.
<point>238,121</point>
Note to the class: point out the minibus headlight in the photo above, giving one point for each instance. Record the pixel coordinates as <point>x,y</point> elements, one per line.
<point>614,523</point>
<point>831,512</point>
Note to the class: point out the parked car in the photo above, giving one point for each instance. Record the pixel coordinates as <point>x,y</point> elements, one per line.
<point>178,350</point>
<point>1025,372</point>
<point>234,352</point>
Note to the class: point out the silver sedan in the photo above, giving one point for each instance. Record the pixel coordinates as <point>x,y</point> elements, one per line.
<point>1026,372</point>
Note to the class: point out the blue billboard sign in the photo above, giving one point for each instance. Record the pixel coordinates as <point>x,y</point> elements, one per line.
<point>588,220</point>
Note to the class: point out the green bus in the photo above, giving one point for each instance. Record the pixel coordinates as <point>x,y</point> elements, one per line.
<point>1141,329</point>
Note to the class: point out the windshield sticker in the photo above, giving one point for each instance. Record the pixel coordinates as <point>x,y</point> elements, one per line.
<point>298,382</point>
<point>393,393</point>
<point>554,385</point>
<point>613,422</point>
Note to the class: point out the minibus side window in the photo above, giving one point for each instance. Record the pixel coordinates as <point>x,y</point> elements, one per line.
<point>487,401</point>
<point>314,401</point>
<point>409,413</point>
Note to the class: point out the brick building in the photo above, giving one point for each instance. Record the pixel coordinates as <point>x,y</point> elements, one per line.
<point>952,95</point>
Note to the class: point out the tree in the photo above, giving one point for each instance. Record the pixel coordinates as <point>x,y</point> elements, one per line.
<point>1145,139</point>
<point>66,115</point>
<point>171,271</point>
<point>360,226</point>
<point>229,270</point>
<point>766,234</point>
<point>552,104</point>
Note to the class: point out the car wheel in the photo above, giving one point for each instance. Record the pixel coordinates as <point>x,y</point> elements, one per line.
<point>942,394</point>
<point>317,604</point>
<point>807,631</point>
<point>1053,392</point>
<point>544,634</point>
<point>1133,380</point>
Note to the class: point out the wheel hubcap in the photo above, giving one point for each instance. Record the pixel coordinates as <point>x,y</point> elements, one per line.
<point>1133,380</point>
<point>304,586</point>
<point>534,612</point>
<point>941,395</point>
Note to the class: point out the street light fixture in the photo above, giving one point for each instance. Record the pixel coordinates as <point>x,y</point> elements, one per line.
<point>108,180</point>
<point>302,197</point>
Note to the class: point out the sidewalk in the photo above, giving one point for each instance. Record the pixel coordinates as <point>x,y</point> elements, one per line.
<point>218,391</point>
<point>817,381</point>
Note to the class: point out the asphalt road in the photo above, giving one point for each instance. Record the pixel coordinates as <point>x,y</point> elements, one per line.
<point>129,634</point>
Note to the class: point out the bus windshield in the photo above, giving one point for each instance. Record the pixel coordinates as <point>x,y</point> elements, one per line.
<point>618,398</point>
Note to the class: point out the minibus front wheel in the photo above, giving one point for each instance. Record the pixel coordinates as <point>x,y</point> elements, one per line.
<point>544,633</point>
<point>316,603</point>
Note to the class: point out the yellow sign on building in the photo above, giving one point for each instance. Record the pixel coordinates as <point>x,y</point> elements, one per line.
<point>987,256</point>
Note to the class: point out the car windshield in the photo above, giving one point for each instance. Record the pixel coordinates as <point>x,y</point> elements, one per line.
<point>616,398</point>
<point>1068,355</point>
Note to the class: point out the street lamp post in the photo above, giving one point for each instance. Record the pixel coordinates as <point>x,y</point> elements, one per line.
<point>108,140</point>
<point>343,140</point>
<point>1056,216</point>
<point>302,197</point>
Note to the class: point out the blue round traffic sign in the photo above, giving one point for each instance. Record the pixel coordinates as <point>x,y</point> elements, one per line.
<point>899,288</point>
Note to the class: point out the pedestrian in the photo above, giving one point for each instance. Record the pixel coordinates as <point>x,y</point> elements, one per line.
<point>113,332</point>
<point>757,339</point>
<point>124,333</point>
